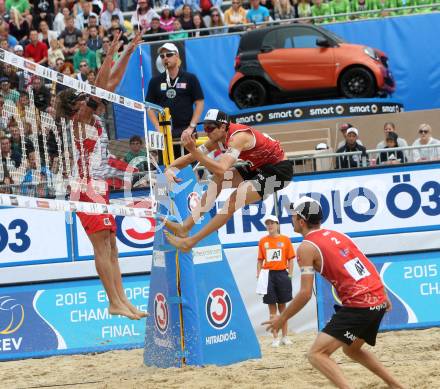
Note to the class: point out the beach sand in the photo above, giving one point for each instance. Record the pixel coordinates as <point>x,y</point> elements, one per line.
<point>412,356</point>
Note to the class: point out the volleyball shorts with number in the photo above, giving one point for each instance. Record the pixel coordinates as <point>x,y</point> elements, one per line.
<point>268,178</point>
<point>93,223</point>
<point>348,323</point>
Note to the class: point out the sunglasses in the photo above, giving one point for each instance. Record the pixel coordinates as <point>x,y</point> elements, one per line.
<point>83,65</point>
<point>168,55</point>
<point>209,128</point>
<point>215,15</point>
<point>423,131</point>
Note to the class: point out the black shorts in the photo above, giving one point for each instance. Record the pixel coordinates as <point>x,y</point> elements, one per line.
<point>268,178</point>
<point>279,288</point>
<point>348,324</point>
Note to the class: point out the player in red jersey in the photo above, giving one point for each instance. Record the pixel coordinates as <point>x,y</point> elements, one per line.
<point>92,170</point>
<point>358,285</point>
<point>267,171</point>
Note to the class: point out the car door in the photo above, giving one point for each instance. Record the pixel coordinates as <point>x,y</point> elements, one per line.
<point>293,60</point>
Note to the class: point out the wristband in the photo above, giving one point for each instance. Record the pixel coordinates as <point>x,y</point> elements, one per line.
<point>193,125</point>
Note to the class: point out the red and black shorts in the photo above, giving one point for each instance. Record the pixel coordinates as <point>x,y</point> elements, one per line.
<point>269,178</point>
<point>349,324</point>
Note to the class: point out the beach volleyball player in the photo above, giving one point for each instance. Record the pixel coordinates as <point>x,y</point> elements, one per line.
<point>91,143</point>
<point>267,170</point>
<point>357,283</point>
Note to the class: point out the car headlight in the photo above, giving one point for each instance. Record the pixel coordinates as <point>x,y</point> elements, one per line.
<point>371,53</point>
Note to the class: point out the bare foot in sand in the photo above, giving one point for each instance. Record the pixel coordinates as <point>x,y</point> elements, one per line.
<point>122,310</point>
<point>183,244</point>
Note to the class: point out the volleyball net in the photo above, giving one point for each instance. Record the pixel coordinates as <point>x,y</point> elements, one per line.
<point>48,156</point>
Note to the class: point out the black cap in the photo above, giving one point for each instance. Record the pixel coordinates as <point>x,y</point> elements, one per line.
<point>307,209</point>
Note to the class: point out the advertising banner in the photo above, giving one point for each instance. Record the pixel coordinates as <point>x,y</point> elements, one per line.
<point>59,318</point>
<point>23,241</point>
<point>413,285</point>
<point>364,202</point>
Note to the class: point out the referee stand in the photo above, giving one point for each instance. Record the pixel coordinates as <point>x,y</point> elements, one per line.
<point>197,316</point>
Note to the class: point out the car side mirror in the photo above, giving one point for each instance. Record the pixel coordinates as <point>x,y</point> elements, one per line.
<point>266,49</point>
<point>322,42</point>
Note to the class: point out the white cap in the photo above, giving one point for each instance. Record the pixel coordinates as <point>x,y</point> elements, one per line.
<point>170,47</point>
<point>308,209</point>
<point>272,218</point>
<point>18,48</point>
<point>353,130</point>
<point>321,146</point>
<point>215,115</point>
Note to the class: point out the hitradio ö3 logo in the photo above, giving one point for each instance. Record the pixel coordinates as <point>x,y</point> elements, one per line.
<point>136,232</point>
<point>193,201</point>
<point>161,314</point>
<point>11,315</point>
<point>218,308</point>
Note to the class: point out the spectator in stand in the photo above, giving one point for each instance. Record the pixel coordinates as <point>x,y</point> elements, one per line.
<point>137,156</point>
<point>82,19</point>
<point>425,138</point>
<point>19,145</point>
<point>59,23</point>
<point>18,25</point>
<point>178,32</point>
<point>186,18</point>
<point>91,77</point>
<point>84,54</point>
<point>150,35</point>
<point>340,7</point>
<point>36,183</point>
<point>167,18</point>
<point>23,104</point>
<point>69,38</point>
<point>116,24</point>
<point>45,34</point>
<point>4,34</point>
<point>199,23</point>
<point>10,159</point>
<point>6,92</point>
<point>67,69</point>
<point>391,157</point>
<point>275,271</point>
<point>54,53</point>
<point>304,10</point>
<point>94,42</point>
<point>383,5</point>
<point>102,52</point>
<point>343,128</point>
<point>21,6</point>
<point>141,19</point>
<point>319,8</point>
<point>59,63</point>
<point>216,22</point>
<point>205,6</point>
<point>388,128</point>
<point>110,10</point>
<point>257,13</point>
<point>235,15</point>
<point>10,72</point>
<point>83,71</point>
<point>43,11</point>
<point>4,45</point>
<point>41,93</point>
<point>351,161</point>
<point>93,21</point>
<point>363,5</point>
<point>123,39</point>
<point>284,10</point>
<point>178,6</point>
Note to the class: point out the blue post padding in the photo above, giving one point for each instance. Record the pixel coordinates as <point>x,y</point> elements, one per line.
<point>216,326</point>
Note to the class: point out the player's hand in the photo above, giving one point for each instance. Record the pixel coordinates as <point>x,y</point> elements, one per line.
<point>274,324</point>
<point>389,305</point>
<point>188,141</point>
<point>170,174</point>
<point>187,135</point>
<point>135,41</point>
<point>115,45</point>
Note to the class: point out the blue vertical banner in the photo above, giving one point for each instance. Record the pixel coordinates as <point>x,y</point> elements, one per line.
<point>216,327</point>
<point>413,286</point>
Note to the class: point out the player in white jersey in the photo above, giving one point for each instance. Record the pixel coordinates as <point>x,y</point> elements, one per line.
<point>91,144</point>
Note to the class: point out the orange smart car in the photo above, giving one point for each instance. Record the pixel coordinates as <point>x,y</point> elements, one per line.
<point>296,62</point>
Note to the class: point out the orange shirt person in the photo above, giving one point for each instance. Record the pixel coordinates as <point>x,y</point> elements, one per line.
<point>276,254</point>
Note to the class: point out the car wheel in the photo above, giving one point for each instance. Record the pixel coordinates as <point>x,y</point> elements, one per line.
<point>249,93</point>
<point>358,83</point>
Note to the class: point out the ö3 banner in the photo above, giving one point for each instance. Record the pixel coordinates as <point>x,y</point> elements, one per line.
<point>413,285</point>
<point>66,318</point>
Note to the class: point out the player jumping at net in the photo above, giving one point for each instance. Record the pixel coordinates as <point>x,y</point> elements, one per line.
<point>364,300</point>
<point>267,171</point>
<point>91,144</point>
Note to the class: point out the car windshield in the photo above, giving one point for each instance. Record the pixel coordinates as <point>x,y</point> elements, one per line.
<point>335,37</point>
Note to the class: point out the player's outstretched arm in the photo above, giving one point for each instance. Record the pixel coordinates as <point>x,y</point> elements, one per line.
<point>103,76</point>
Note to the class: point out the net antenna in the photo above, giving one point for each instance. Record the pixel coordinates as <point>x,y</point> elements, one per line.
<point>40,154</point>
